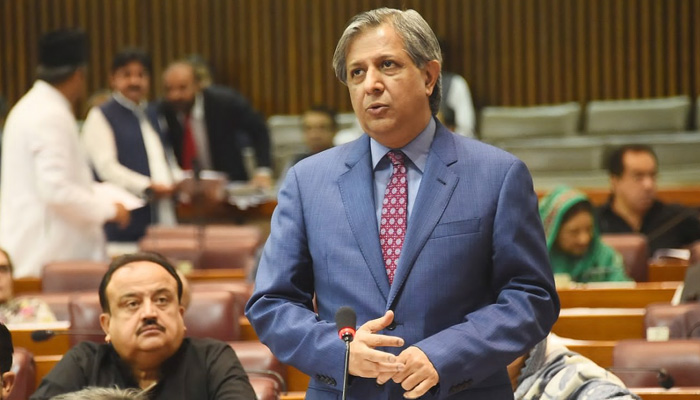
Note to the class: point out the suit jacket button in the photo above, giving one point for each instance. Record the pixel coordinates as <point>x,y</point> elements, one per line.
<point>391,326</point>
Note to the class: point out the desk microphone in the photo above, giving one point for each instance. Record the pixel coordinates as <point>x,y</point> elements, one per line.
<point>664,379</point>
<point>345,321</point>
<point>43,335</point>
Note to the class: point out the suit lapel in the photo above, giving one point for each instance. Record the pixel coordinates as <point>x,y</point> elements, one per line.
<point>436,188</point>
<point>357,191</point>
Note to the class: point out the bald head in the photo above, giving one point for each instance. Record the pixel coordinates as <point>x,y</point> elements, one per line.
<point>181,86</point>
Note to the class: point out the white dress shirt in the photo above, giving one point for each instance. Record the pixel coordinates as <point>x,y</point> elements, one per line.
<point>98,139</point>
<point>49,210</point>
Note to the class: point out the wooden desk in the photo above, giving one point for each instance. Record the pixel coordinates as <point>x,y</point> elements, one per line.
<point>599,351</point>
<point>686,393</point>
<point>199,275</point>
<point>637,295</point>
<point>293,396</point>
<point>667,270</point>
<point>59,344</point>
<point>26,285</point>
<point>247,331</point>
<point>600,323</point>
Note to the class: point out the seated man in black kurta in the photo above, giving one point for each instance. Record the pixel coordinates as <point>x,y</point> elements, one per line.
<point>633,206</point>
<point>146,348</point>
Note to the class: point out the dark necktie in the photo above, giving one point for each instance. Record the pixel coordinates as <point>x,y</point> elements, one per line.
<point>189,147</point>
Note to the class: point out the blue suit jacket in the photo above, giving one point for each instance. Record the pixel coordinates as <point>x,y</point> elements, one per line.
<point>473,288</point>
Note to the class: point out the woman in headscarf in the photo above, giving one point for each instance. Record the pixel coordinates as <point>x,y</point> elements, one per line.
<point>573,240</point>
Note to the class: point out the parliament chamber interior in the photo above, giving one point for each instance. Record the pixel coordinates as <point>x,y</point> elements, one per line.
<point>559,84</point>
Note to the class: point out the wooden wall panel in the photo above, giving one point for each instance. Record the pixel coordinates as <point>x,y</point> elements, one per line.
<point>278,52</point>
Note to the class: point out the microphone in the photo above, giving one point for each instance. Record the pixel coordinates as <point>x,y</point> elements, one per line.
<point>43,335</point>
<point>664,379</point>
<point>345,321</point>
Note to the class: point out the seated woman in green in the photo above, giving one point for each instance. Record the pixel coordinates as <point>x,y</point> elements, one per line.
<point>573,239</point>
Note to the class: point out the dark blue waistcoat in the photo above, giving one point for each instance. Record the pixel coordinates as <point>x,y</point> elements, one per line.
<point>131,152</point>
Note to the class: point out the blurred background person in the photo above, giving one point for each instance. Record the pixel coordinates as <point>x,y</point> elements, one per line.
<point>319,124</point>
<point>210,127</point>
<point>50,209</point>
<point>127,147</point>
<point>456,96</point>
<point>551,371</point>
<point>202,70</point>
<point>17,310</point>
<point>573,240</point>
<point>633,206</point>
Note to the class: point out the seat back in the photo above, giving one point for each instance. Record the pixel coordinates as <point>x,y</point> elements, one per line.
<point>498,123</point>
<point>214,314</point>
<point>671,316</point>
<point>637,362</point>
<point>72,276</point>
<point>667,114</point>
<point>178,250</point>
<point>266,387</point>
<point>25,374</point>
<point>635,253</point>
<point>255,356</point>
<point>85,313</point>
<point>242,290</point>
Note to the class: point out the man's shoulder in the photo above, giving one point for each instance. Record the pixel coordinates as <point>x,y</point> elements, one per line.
<point>221,93</point>
<point>87,350</point>
<point>204,345</point>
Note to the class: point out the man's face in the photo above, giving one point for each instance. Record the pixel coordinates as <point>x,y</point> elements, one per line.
<point>389,93</point>
<point>318,131</point>
<point>180,87</point>
<point>145,323</point>
<point>132,81</point>
<point>636,187</point>
<point>5,279</point>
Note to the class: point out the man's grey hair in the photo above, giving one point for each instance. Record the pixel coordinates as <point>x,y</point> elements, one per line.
<point>419,40</point>
<point>100,393</point>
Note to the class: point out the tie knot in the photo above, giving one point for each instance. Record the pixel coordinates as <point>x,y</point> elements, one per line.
<point>397,157</point>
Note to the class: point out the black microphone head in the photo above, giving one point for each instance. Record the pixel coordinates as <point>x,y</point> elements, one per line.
<point>345,317</point>
<point>345,321</point>
<point>665,379</point>
<point>42,335</point>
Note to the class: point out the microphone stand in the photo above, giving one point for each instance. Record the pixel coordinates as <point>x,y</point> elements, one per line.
<point>347,363</point>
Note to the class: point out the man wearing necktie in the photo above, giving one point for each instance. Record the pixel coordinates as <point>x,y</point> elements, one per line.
<point>434,239</point>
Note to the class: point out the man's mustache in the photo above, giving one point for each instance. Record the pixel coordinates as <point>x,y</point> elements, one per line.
<point>149,324</point>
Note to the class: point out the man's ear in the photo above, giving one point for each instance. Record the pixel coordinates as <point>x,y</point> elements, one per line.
<point>432,73</point>
<point>8,381</point>
<point>182,315</point>
<point>105,319</point>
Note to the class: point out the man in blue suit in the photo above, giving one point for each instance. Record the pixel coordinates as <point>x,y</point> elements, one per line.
<point>434,239</point>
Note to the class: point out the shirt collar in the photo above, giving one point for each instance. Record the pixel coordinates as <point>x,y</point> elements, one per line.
<point>198,107</point>
<point>416,150</point>
<point>121,99</point>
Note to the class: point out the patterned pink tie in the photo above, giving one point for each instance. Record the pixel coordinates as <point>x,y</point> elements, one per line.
<point>392,227</point>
